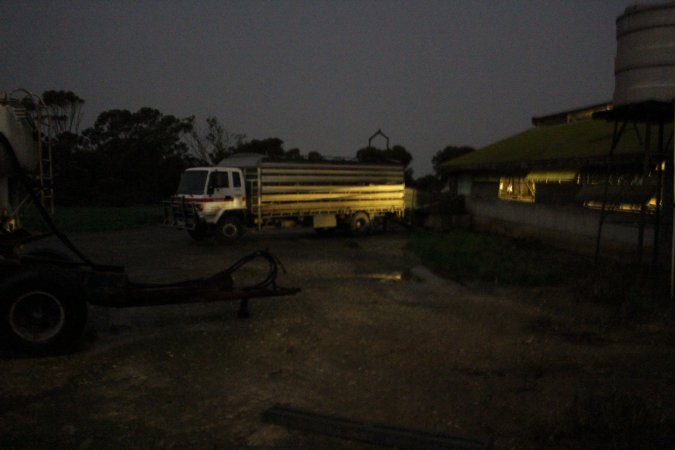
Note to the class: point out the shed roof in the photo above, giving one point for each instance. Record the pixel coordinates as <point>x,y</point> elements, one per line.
<point>568,146</point>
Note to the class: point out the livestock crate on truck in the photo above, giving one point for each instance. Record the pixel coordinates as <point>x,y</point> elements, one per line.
<point>243,193</point>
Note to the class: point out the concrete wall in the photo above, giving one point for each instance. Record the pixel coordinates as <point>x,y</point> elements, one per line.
<point>570,226</point>
<point>566,219</point>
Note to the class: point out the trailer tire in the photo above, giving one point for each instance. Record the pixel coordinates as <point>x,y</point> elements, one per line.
<point>41,315</point>
<point>359,225</point>
<point>229,229</point>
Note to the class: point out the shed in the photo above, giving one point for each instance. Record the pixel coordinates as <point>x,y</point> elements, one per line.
<point>552,179</point>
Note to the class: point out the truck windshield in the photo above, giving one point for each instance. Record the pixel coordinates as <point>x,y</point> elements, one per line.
<point>192,182</point>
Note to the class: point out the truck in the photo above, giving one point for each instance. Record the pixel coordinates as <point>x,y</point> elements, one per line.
<point>45,293</point>
<point>246,191</point>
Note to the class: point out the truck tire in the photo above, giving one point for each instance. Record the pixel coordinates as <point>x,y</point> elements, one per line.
<point>359,224</point>
<point>40,315</point>
<point>229,229</point>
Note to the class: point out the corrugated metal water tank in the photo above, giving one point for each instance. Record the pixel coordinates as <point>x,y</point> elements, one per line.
<point>16,131</point>
<point>644,67</point>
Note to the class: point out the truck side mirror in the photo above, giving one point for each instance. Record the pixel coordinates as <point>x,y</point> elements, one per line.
<point>210,189</point>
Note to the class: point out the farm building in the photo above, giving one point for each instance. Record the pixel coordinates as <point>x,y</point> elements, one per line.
<point>563,177</point>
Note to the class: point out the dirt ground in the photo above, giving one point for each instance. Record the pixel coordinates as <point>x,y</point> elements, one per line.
<point>373,336</point>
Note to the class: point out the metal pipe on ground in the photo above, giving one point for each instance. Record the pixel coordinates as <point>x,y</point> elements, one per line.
<point>373,433</point>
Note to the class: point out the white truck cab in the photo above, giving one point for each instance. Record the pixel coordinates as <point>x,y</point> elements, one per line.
<point>210,196</point>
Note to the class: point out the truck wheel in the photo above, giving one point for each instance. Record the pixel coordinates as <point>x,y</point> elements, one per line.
<point>228,229</point>
<point>360,224</point>
<point>40,316</point>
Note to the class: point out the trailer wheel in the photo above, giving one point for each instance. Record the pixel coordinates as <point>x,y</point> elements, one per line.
<point>41,316</point>
<point>360,224</point>
<point>228,229</point>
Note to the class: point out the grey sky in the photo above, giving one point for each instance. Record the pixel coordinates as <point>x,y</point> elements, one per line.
<point>322,75</point>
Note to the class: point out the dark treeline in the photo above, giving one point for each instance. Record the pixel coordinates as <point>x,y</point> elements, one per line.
<point>129,158</point>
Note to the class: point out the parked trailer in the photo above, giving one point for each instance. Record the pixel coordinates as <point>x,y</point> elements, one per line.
<point>44,294</point>
<point>227,199</point>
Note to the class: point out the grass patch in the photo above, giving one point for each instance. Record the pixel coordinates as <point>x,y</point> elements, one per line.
<point>467,256</point>
<point>73,219</point>
<point>470,256</point>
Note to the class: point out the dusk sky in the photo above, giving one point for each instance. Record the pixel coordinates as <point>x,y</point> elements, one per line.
<point>322,75</point>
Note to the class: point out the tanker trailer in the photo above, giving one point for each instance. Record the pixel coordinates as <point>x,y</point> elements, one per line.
<point>21,142</point>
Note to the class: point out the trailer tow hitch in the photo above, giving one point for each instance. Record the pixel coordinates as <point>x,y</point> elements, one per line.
<point>217,287</point>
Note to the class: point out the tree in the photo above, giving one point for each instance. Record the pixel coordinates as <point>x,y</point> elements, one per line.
<point>293,155</point>
<point>397,154</point>
<point>138,156</point>
<point>438,180</point>
<point>429,182</point>
<point>71,169</point>
<point>448,153</point>
<point>270,147</point>
<point>314,156</point>
<point>400,154</point>
<point>64,109</point>
<point>214,143</point>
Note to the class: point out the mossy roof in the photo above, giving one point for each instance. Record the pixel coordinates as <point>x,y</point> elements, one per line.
<point>560,146</point>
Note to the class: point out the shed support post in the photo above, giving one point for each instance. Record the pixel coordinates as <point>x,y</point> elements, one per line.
<point>672,232</point>
<point>616,136</point>
<point>646,162</point>
<point>660,151</point>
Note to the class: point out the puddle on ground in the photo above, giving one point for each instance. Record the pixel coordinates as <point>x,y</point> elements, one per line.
<point>404,275</point>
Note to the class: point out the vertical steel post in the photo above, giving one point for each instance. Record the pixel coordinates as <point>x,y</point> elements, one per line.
<point>660,151</point>
<point>259,197</point>
<point>616,136</point>
<point>672,243</point>
<point>646,161</point>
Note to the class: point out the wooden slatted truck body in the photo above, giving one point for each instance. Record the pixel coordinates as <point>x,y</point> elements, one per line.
<point>226,199</point>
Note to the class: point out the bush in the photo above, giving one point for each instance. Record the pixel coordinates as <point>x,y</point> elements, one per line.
<point>469,256</point>
<point>466,256</point>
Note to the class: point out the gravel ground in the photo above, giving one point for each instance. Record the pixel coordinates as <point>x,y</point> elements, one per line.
<point>373,336</point>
